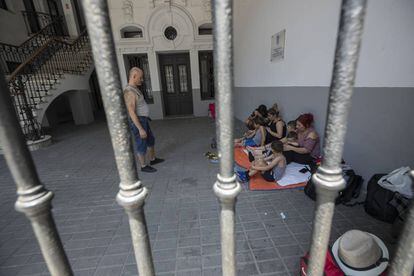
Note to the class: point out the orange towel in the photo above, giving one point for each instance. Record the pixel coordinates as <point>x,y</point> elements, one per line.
<point>241,158</point>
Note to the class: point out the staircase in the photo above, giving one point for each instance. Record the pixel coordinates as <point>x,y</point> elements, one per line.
<point>42,68</point>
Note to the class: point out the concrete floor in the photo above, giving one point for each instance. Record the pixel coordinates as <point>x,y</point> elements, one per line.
<point>181,211</point>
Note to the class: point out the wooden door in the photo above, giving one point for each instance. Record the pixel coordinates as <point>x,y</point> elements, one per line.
<point>176,84</point>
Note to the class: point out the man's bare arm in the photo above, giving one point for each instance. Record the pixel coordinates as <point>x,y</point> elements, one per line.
<point>129,97</point>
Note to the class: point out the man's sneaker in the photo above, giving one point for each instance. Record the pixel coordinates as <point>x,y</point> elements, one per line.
<point>148,169</point>
<point>156,161</point>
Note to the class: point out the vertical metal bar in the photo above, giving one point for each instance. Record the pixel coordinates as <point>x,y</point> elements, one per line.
<point>226,188</point>
<point>328,179</point>
<point>131,194</point>
<point>33,199</point>
<point>403,262</point>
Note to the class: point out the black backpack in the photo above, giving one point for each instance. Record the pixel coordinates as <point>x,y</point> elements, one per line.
<point>376,203</point>
<point>351,191</point>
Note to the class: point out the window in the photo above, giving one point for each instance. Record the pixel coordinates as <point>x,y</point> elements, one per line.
<point>3,5</point>
<point>205,29</point>
<point>131,32</point>
<point>206,75</point>
<point>169,78</point>
<point>141,61</point>
<point>170,33</point>
<point>182,74</point>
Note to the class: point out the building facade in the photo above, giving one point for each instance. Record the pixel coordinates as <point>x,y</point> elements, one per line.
<point>172,42</point>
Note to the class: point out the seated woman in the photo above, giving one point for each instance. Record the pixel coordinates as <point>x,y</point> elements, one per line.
<point>261,111</point>
<point>272,167</point>
<point>276,128</point>
<point>254,138</point>
<point>308,148</point>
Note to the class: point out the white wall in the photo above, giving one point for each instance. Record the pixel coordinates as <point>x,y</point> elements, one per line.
<point>12,27</point>
<point>378,138</point>
<point>311,28</point>
<point>70,17</point>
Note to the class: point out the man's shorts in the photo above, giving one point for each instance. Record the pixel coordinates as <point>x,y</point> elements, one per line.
<point>141,145</point>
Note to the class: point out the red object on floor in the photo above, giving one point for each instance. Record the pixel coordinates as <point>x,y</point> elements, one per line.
<point>212,110</point>
<point>257,182</point>
<point>241,158</point>
<point>331,267</point>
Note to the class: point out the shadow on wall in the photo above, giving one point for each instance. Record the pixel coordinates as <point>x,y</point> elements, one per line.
<point>379,136</point>
<point>58,112</point>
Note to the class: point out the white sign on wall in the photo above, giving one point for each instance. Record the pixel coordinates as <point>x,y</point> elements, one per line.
<point>278,46</point>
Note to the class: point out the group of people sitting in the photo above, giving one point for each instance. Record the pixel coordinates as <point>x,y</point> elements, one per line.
<point>272,144</point>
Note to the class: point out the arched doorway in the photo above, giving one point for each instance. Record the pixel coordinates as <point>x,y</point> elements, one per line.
<point>71,108</point>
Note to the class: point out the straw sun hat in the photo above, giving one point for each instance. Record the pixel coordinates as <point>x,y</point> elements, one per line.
<point>360,253</point>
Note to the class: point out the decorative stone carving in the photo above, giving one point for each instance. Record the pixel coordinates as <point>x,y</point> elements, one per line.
<point>207,9</point>
<point>181,2</point>
<point>128,8</point>
<point>157,3</point>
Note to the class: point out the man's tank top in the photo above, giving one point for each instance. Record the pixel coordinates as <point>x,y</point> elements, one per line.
<point>141,106</point>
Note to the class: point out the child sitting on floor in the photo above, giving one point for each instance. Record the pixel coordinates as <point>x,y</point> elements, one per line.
<point>291,126</point>
<point>292,139</point>
<point>255,136</point>
<point>272,167</point>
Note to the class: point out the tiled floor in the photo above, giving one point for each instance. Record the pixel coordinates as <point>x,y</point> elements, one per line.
<point>182,211</point>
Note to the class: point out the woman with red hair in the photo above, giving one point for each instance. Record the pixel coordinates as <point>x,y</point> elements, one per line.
<point>308,140</point>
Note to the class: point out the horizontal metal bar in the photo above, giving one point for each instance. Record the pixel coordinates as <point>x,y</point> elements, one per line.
<point>131,195</point>
<point>328,179</point>
<point>33,199</point>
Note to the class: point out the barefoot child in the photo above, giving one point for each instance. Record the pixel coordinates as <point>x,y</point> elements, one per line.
<point>255,136</point>
<point>273,167</point>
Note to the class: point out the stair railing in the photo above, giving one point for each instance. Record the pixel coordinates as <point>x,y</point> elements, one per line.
<point>11,56</point>
<point>31,82</point>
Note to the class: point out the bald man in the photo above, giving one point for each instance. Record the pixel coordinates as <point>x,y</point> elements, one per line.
<point>138,112</point>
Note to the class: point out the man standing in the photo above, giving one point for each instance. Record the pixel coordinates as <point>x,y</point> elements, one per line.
<point>138,112</point>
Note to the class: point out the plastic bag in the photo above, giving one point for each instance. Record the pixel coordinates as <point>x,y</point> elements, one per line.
<point>399,181</point>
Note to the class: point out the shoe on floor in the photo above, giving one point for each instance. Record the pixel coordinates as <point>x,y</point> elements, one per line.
<point>148,169</point>
<point>156,161</point>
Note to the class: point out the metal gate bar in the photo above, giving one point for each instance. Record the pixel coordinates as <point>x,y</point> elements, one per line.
<point>328,179</point>
<point>131,194</point>
<point>33,198</point>
<point>226,188</point>
<point>403,262</point>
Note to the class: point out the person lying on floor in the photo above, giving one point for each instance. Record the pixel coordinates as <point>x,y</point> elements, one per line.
<point>255,138</point>
<point>272,167</point>
<point>308,149</point>
<point>260,111</point>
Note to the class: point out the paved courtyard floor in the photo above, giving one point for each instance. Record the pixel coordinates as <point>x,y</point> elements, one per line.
<point>181,211</point>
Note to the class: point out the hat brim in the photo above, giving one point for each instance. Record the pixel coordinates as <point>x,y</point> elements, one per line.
<point>372,272</point>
